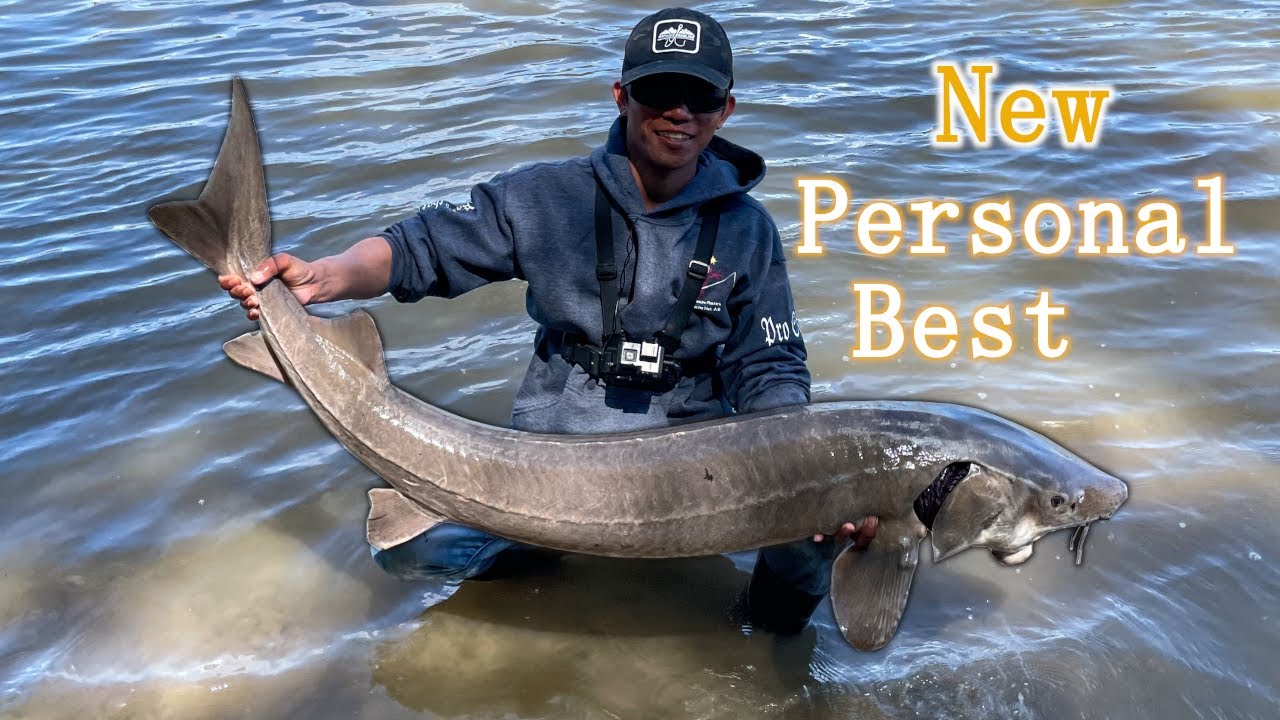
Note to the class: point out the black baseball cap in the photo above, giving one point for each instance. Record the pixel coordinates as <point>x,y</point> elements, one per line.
<point>677,40</point>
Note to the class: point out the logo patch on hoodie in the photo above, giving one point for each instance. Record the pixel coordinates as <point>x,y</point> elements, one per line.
<point>715,289</point>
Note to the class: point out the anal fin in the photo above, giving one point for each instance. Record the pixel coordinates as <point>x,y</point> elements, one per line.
<point>250,350</point>
<point>869,588</point>
<point>395,519</point>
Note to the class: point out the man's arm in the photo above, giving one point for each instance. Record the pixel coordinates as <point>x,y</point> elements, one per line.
<point>443,250</point>
<point>762,365</point>
<point>446,250</point>
<point>361,272</point>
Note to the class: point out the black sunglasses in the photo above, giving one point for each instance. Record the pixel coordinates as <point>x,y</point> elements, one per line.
<point>665,92</point>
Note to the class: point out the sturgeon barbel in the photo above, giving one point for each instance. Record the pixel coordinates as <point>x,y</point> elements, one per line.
<point>735,483</point>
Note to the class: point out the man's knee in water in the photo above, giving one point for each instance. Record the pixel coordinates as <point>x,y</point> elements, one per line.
<point>447,551</point>
<point>788,583</point>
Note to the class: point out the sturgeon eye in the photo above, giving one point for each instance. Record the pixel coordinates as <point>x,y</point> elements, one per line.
<point>1057,500</point>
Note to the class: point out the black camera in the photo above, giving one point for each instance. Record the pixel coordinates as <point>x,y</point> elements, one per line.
<point>638,365</point>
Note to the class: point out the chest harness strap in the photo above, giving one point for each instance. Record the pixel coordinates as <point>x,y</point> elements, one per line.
<point>620,361</point>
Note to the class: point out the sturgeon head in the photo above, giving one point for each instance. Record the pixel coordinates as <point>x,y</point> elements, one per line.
<point>1001,487</point>
<point>1018,488</point>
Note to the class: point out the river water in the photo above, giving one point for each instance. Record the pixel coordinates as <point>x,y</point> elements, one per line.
<point>182,539</point>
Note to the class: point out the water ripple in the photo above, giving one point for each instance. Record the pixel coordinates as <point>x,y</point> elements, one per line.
<point>131,440</point>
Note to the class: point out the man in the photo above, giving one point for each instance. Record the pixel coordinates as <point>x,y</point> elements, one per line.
<point>661,190</point>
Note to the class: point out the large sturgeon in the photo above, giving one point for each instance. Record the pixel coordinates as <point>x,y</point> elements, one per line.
<point>724,485</point>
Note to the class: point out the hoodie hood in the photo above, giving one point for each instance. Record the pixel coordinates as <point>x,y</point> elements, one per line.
<point>723,169</point>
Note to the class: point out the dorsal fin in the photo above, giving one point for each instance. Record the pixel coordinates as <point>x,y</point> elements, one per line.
<point>354,334</point>
<point>357,335</point>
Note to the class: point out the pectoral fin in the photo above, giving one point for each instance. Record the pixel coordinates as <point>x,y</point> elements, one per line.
<point>395,519</point>
<point>869,589</point>
<point>972,507</point>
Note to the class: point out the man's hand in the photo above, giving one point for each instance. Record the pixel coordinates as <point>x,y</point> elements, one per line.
<point>362,271</point>
<point>862,533</point>
<point>299,276</point>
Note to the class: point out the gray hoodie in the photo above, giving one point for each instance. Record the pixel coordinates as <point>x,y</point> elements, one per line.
<point>536,224</point>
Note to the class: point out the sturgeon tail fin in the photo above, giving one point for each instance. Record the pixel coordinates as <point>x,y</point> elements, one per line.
<point>228,228</point>
<point>353,335</point>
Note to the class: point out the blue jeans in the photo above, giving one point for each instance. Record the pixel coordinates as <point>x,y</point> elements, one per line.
<point>447,551</point>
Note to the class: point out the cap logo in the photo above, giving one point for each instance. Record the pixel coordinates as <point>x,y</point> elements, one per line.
<point>677,36</point>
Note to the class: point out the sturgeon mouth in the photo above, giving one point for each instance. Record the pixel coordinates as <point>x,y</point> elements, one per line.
<point>1075,544</point>
<point>1014,557</point>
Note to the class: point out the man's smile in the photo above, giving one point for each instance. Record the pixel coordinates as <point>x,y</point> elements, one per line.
<point>674,135</point>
